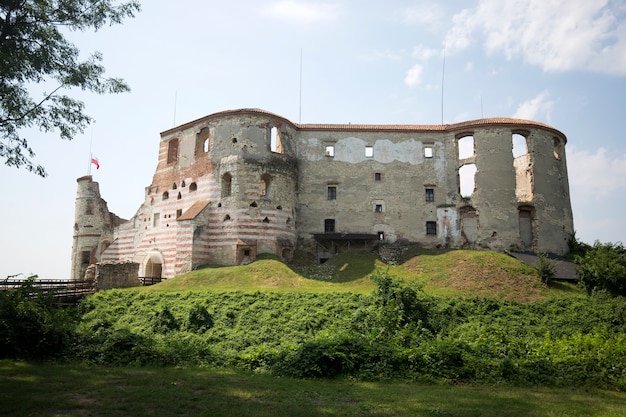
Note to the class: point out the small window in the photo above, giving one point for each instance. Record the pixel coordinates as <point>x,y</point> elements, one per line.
<point>332,193</point>
<point>254,204</point>
<point>193,187</point>
<point>174,186</point>
<point>329,150</point>
<point>431,228</point>
<point>329,225</point>
<point>266,220</point>
<point>378,208</point>
<point>265,185</point>
<point>179,196</point>
<point>381,235</point>
<point>172,151</point>
<point>246,252</point>
<point>369,151</point>
<point>378,176</point>
<point>428,151</point>
<point>205,146</point>
<point>183,184</point>
<point>226,218</point>
<point>179,213</point>
<point>89,207</point>
<point>430,194</point>
<point>85,257</point>
<point>226,185</point>
<point>155,219</point>
<point>166,195</point>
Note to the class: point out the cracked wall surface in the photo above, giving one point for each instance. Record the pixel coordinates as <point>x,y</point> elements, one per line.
<point>238,183</point>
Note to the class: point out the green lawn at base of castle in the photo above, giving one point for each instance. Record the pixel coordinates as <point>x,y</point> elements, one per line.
<point>467,273</point>
<point>78,390</point>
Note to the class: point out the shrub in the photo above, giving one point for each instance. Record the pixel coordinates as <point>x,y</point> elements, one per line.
<point>32,326</point>
<point>604,267</point>
<point>545,268</point>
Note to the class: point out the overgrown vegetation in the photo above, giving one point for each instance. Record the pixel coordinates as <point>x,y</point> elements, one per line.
<point>396,330</point>
<point>603,267</point>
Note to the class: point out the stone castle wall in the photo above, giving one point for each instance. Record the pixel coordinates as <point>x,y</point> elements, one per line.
<point>239,183</point>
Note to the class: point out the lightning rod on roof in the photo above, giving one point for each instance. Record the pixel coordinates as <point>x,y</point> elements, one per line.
<point>300,108</point>
<point>443,73</point>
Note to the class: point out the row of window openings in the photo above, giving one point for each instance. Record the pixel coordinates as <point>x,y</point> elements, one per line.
<point>156,218</point>
<point>431,228</point>
<point>203,144</point>
<point>265,220</point>
<point>429,195</point>
<point>192,187</point>
<point>329,150</point>
<point>519,146</point>
<point>227,180</point>
<point>465,147</point>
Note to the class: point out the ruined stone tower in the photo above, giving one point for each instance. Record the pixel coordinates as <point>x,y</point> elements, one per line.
<point>238,183</point>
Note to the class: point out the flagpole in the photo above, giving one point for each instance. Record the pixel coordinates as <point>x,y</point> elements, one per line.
<point>90,154</point>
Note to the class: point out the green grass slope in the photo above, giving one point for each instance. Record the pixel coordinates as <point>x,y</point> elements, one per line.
<point>465,273</point>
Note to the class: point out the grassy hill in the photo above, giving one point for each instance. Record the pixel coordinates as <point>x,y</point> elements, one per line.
<point>466,273</point>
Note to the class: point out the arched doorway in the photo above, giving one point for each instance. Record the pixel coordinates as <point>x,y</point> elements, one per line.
<point>152,265</point>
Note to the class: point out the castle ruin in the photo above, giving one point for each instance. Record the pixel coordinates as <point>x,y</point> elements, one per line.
<point>238,183</point>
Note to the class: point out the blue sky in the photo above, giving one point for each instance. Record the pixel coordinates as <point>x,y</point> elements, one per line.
<point>561,62</point>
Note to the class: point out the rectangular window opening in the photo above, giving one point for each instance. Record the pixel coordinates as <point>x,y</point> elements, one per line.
<point>329,225</point>
<point>329,150</point>
<point>431,228</point>
<point>369,151</point>
<point>428,151</point>
<point>430,194</point>
<point>378,176</point>
<point>332,193</point>
<point>378,208</point>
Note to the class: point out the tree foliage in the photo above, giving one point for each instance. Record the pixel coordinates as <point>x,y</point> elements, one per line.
<point>604,267</point>
<point>35,53</point>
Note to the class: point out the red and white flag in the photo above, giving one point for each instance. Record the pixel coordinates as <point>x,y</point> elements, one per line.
<point>95,161</point>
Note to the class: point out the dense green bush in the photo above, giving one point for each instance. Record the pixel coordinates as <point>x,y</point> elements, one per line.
<point>31,325</point>
<point>604,267</point>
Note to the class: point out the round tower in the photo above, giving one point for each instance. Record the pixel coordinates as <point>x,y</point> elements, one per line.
<point>93,227</point>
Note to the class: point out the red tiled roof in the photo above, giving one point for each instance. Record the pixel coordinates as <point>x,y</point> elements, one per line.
<point>193,211</point>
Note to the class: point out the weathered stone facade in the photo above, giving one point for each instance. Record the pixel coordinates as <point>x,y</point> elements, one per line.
<point>238,183</point>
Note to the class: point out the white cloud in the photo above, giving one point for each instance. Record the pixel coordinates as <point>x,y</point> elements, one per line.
<point>427,13</point>
<point>596,174</point>
<point>557,35</point>
<point>414,76</point>
<point>538,107</point>
<point>424,54</point>
<point>301,12</point>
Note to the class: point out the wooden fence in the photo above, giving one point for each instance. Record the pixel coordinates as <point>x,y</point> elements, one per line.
<point>63,291</point>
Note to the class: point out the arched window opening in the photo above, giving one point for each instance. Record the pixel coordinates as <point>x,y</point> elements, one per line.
<point>276,144</point>
<point>226,218</point>
<point>467,180</point>
<point>253,204</point>
<point>179,196</point>
<point>227,180</point>
<point>166,195</point>
<point>183,184</point>
<point>265,185</point>
<point>279,207</point>
<point>193,187</point>
<point>266,220</point>
<point>520,145</point>
<point>174,186</point>
<point>172,151</point>
<point>557,148</point>
<point>466,147</point>
<point>202,141</point>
